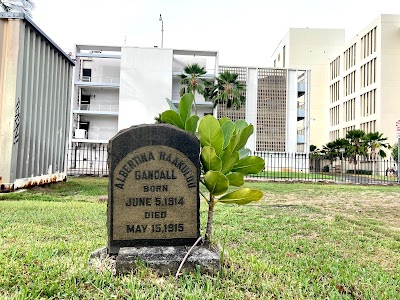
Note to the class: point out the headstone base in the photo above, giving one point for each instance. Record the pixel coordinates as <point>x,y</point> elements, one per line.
<point>164,260</point>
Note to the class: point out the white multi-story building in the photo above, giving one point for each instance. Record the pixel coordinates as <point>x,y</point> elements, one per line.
<point>117,87</point>
<point>95,104</point>
<point>364,81</point>
<point>311,49</point>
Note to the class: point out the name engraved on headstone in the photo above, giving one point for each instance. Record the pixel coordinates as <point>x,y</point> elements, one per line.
<point>155,195</point>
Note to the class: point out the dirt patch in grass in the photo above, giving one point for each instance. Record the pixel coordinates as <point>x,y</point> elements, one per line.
<point>381,206</point>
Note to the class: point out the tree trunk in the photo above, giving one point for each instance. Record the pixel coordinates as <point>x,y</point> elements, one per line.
<point>373,168</point>
<point>208,234</point>
<point>195,108</point>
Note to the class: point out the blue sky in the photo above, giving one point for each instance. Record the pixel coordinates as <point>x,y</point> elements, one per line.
<point>244,32</point>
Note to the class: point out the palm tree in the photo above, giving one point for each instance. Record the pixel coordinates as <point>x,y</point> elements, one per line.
<point>193,82</point>
<point>315,153</point>
<point>229,90</point>
<point>24,6</point>
<point>357,146</point>
<point>341,144</point>
<point>330,152</point>
<point>375,141</point>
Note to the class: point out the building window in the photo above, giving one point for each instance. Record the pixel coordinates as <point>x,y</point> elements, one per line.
<point>334,115</point>
<point>85,102</point>
<point>84,125</point>
<point>284,56</point>
<point>368,103</point>
<point>333,135</point>
<point>349,84</point>
<point>368,73</point>
<point>334,91</point>
<point>347,129</point>
<point>368,127</point>
<point>350,57</point>
<point>335,68</point>
<point>349,110</point>
<point>86,74</point>
<point>368,43</point>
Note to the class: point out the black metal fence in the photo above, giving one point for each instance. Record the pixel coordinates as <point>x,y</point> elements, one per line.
<point>91,159</point>
<point>302,167</point>
<point>88,159</point>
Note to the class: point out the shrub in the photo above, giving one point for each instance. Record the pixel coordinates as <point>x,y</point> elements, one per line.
<point>360,172</point>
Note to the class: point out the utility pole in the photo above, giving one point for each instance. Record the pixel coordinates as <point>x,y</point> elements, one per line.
<point>162,31</point>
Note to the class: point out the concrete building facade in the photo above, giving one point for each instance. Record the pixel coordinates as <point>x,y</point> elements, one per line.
<point>364,81</point>
<point>311,49</point>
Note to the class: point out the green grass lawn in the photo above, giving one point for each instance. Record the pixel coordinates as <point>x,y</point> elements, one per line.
<point>302,241</point>
<point>294,175</point>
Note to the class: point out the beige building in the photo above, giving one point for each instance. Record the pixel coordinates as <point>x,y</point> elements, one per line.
<point>364,81</point>
<point>312,49</point>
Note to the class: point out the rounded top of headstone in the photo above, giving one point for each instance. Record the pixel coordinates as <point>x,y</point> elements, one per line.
<point>137,136</point>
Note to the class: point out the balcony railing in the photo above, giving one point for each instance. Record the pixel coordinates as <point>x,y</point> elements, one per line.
<point>99,107</point>
<point>100,79</point>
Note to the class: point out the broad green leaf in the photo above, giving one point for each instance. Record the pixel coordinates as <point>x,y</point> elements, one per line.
<point>191,124</point>
<point>210,160</point>
<point>223,120</point>
<point>240,124</point>
<point>185,106</point>
<point>171,117</point>
<point>230,149</point>
<point>241,197</point>
<point>210,133</point>
<point>249,165</point>
<point>244,152</point>
<point>216,182</point>
<point>227,129</point>
<point>230,162</point>
<point>235,179</point>
<point>172,106</point>
<point>244,136</point>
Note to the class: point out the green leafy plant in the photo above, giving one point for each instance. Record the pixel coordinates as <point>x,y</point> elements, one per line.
<point>224,160</point>
<point>182,116</point>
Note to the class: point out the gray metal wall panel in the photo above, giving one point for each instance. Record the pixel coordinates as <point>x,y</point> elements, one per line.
<point>39,145</point>
<point>46,91</point>
<point>22,143</point>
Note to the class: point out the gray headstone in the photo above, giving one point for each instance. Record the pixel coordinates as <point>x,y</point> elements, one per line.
<point>153,187</point>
